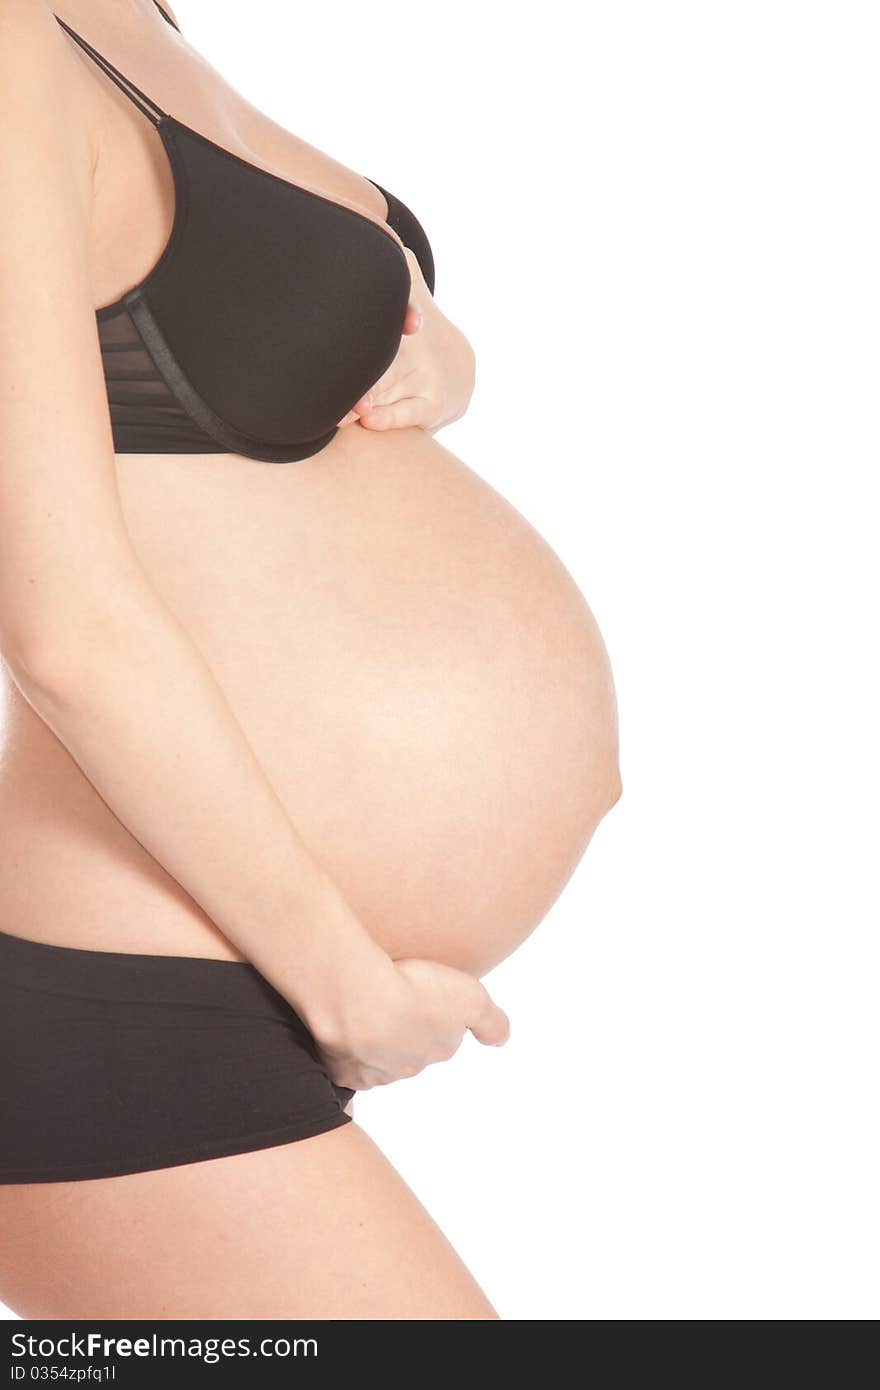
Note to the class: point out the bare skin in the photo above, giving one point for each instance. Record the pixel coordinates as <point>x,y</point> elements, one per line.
<point>262,1235</point>
<point>424,688</point>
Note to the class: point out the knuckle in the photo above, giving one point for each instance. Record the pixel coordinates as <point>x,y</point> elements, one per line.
<point>481,994</point>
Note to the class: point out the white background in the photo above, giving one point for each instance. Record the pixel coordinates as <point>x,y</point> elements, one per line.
<point>660,231</point>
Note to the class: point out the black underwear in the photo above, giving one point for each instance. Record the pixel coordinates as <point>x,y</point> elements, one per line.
<point>112,1063</point>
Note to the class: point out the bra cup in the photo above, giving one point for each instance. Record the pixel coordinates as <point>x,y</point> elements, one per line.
<point>270,311</point>
<point>279,307</point>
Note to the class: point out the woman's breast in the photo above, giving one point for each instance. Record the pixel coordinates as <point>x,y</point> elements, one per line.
<point>419,675</point>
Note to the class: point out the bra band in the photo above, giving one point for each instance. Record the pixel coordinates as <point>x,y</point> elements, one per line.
<point>145,104</point>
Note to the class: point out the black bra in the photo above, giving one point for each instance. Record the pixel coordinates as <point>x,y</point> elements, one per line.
<point>270,311</point>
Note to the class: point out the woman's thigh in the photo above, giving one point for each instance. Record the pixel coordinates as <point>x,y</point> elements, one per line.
<point>322,1228</point>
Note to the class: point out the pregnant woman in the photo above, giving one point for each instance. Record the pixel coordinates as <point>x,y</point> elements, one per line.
<point>303,727</point>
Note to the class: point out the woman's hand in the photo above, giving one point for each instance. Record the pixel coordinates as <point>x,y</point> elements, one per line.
<point>412,1014</point>
<point>430,381</point>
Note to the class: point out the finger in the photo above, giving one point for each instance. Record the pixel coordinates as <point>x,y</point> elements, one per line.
<point>397,383</point>
<point>347,419</point>
<point>371,397</point>
<point>451,1048</point>
<point>414,410</point>
<point>413,319</point>
<point>489,1024</point>
<point>415,270</point>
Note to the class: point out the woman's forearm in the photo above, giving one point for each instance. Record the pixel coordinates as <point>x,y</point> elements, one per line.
<point>139,710</point>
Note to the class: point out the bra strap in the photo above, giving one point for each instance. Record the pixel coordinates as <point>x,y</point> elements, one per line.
<point>166,16</point>
<point>138,98</point>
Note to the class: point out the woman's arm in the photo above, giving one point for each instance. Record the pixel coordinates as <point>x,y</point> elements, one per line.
<point>86,637</point>
<point>102,659</point>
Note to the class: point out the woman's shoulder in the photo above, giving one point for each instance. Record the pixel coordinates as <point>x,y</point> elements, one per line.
<point>42,95</point>
<point>33,20</point>
<point>39,69</point>
<point>33,50</point>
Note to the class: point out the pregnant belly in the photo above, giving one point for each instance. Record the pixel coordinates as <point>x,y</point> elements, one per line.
<point>417,672</point>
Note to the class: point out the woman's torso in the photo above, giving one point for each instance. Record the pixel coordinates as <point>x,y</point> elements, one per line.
<point>417,672</point>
